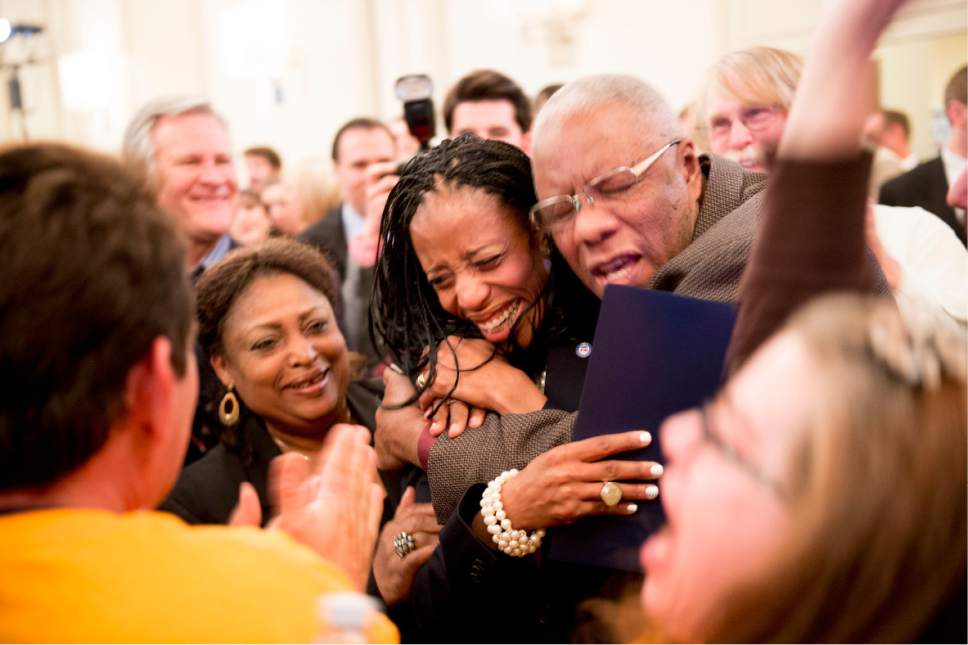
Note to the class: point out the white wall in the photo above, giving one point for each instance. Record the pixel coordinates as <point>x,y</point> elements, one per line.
<point>668,44</point>
<point>289,72</point>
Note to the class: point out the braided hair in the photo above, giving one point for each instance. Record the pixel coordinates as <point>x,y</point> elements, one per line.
<point>407,321</point>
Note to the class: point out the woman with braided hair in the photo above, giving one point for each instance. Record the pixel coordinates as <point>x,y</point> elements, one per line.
<point>469,298</point>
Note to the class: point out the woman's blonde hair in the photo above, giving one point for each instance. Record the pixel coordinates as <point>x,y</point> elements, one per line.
<point>312,188</point>
<point>877,485</point>
<point>317,191</point>
<point>758,76</point>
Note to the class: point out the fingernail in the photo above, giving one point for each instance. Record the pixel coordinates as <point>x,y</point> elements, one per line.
<point>454,428</point>
<point>631,508</point>
<point>435,426</point>
<point>656,470</point>
<point>651,491</point>
<point>645,438</point>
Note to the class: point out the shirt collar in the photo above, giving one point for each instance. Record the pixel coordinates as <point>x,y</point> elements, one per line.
<point>353,222</point>
<point>953,165</point>
<point>219,251</point>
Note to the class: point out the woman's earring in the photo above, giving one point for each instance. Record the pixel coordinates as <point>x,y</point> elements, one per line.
<point>228,409</point>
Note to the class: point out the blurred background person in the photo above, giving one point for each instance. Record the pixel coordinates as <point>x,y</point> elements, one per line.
<point>407,144</point>
<point>263,166</point>
<point>488,104</point>
<point>286,211</point>
<point>896,137</point>
<point>250,222</point>
<point>927,185</point>
<point>542,97</point>
<point>358,144</point>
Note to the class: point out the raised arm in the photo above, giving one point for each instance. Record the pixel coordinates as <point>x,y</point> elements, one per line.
<point>811,239</point>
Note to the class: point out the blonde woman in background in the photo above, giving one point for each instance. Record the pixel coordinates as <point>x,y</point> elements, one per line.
<point>300,198</point>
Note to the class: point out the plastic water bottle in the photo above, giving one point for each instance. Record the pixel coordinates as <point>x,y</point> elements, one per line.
<point>346,617</point>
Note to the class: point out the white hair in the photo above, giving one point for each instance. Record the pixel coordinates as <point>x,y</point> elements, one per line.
<point>137,147</point>
<point>591,92</point>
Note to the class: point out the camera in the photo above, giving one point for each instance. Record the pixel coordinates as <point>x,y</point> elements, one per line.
<point>416,90</point>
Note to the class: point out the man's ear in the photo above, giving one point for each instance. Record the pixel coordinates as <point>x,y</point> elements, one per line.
<point>689,167</point>
<point>149,389</point>
<point>526,143</point>
<point>955,111</point>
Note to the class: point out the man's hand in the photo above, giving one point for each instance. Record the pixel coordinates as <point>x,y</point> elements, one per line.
<point>335,507</point>
<point>394,575</point>
<point>397,429</point>
<point>380,180</point>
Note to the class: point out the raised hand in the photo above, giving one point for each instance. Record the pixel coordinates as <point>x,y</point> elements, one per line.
<point>334,508</point>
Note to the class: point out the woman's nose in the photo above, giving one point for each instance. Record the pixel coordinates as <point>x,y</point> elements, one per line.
<point>680,434</point>
<point>302,351</point>
<point>472,293</point>
<point>739,136</point>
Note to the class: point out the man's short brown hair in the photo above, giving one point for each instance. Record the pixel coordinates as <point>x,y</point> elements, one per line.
<point>896,117</point>
<point>267,153</point>
<point>957,87</point>
<point>488,85</point>
<point>359,123</point>
<point>93,273</point>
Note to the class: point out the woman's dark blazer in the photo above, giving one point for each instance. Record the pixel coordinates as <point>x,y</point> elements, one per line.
<point>208,490</point>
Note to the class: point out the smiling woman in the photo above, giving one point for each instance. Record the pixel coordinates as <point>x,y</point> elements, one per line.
<point>456,228</point>
<point>266,321</point>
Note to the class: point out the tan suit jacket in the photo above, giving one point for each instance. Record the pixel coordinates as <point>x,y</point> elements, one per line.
<point>709,268</point>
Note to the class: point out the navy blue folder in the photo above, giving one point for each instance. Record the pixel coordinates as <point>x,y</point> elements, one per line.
<point>654,354</point>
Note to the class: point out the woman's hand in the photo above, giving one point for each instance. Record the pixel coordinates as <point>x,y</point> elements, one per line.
<point>335,508</point>
<point>453,416</point>
<point>394,575</point>
<point>565,483</point>
<point>483,379</point>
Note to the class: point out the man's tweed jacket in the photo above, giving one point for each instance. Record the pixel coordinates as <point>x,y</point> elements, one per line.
<point>709,268</point>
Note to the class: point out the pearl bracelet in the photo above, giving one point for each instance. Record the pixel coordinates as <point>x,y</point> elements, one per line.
<point>509,540</point>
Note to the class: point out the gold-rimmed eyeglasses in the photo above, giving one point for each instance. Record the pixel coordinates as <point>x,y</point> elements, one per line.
<point>555,212</point>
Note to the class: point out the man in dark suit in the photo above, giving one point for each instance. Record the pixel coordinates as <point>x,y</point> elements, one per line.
<point>181,147</point>
<point>927,185</point>
<point>358,144</point>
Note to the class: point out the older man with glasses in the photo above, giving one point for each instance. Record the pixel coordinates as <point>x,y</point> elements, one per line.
<point>627,200</point>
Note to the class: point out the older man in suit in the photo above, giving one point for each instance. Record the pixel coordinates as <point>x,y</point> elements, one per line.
<point>927,185</point>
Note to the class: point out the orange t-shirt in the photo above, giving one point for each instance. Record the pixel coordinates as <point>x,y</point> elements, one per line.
<point>82,575</point>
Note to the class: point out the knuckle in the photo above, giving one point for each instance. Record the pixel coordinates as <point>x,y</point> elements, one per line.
<point>610,471</point>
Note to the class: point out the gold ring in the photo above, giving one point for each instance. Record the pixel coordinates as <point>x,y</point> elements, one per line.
<point>611,493</point>
<point>421,381</point>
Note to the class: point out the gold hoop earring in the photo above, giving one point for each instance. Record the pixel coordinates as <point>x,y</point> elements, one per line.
<point>228,409</point>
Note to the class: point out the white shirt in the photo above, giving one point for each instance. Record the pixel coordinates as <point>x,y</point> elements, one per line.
<point>353,222</point>
<point>933,261</point>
